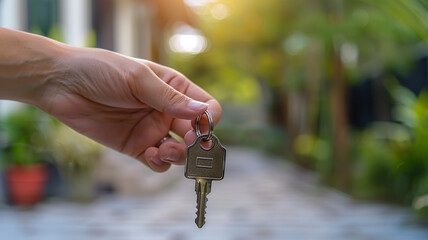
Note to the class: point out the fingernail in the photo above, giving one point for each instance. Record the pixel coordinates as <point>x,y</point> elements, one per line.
<point>173,155</point>
<point>156,161</point>
<point>197,106</point>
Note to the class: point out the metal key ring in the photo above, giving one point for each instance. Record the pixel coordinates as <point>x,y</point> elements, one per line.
<point>210,124</point>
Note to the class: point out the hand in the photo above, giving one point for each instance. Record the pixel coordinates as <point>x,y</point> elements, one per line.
<point>127,104</point>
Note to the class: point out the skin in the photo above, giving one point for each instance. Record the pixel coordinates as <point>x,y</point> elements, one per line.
<point>124,103</point>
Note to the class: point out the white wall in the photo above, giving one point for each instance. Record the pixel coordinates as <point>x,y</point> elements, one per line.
<point>123,27</point>
<point>144,22</point>
<point>11,14</point>
<point>132,30</point>
<point>76,21</point>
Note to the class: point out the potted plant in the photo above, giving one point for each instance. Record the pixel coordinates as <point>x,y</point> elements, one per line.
<point>22,157</point>
<point>76,157</point>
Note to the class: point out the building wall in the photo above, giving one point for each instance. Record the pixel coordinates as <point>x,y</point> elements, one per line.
<point>12,14</point>
<point>132,28</point>
<point>76,21</point>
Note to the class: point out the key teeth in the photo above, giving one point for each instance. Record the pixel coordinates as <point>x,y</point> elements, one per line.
<point>197,218</point>
<point>202,189</point>
<point>197,212</point>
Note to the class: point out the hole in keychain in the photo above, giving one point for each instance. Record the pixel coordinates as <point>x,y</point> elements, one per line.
<point>208,138</point>
<point>206,145</point>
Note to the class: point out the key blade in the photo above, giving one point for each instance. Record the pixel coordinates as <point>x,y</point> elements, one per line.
<point>200,213</point>
<point>202,188</point>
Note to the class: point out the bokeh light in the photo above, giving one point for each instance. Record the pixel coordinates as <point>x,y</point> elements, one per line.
<point>220,11</point>
<point>187,40</point>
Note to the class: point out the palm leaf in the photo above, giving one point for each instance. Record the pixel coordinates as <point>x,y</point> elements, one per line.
<point>413,13</point>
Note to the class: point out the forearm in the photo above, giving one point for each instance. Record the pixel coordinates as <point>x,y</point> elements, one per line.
<point>27,63</point>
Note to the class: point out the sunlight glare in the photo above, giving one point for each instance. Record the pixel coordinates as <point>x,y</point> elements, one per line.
<point>198,3</point>
<point>187,40</point>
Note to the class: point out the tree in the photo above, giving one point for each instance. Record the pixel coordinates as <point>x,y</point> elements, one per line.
<point>308,53</point>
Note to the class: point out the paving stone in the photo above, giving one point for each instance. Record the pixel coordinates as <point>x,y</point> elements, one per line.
<point>260,198</point>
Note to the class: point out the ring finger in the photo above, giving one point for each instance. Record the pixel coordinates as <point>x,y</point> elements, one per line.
<point>172,151</point>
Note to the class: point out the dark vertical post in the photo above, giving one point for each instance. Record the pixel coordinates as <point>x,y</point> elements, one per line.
<point>102,20</point>
<point>338,104</point>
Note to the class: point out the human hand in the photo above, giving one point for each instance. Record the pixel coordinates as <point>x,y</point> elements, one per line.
<point>127,104</point>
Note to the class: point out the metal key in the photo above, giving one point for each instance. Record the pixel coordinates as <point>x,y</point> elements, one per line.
<point>204,165</point>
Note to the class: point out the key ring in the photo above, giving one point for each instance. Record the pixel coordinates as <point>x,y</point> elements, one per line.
<point>210,124</point>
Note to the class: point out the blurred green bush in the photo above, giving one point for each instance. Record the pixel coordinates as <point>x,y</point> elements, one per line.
<point>391,159</point>
<point>271,140</point>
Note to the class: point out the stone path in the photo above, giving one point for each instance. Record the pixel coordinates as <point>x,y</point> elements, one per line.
<point>260,198</point>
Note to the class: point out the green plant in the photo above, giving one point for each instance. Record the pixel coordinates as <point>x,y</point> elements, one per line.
<point>73,149</point>
<point>23,132</point>
<point>76,156</point>
<point>377,161</point>
<point>267,138</point>
<point>413,13</point>
<point>390,159</point>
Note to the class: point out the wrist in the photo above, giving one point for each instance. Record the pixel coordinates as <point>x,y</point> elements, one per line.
<point>28,64</point>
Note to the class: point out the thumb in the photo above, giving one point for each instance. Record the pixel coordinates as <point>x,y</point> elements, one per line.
<point>164,98</point>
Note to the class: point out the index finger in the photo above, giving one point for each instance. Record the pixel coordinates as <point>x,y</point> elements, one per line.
<point>170,75</point>
<point>181,83</point>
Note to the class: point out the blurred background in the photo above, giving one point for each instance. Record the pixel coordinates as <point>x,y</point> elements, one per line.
<point>325,115</point>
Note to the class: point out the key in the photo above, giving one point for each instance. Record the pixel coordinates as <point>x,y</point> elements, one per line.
<point>204,165</point>
<point>202,188</point>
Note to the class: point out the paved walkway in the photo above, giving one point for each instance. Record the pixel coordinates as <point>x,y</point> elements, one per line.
<point>260,198</point>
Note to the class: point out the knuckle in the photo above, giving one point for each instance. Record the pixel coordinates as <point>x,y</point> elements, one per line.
<point>178,82</point>
<point>173,97</point>
<point>137,71</point>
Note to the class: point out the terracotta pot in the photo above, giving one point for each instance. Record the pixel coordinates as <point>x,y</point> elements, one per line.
<point>26,184</point>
